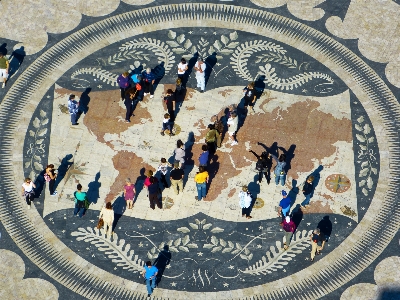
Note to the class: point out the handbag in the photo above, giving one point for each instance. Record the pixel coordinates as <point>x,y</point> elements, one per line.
<point>100,223</point>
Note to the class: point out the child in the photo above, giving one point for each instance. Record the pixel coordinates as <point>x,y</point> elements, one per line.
<point>203,158</point>
<point>167,125</point>
<point>163,168</point>
<point>232,128</point>
<point>249,96</point>
<point>245,199</point>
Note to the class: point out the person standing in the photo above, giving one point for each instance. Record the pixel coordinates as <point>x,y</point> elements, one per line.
<point>50,177</point>
<point>182,68</point>
<point>167,126</point>
<point>288,227</point>
<point>232,128</point>
<point>27,191</point>
<point>245,199</point>
<point>263,165</point>
<point>307,190</point>
<point>163,168</point>
<point>150,273</point>
<point>249,96</point>
<point>200,67</point>
<point>284,205</point>
<point>154,189</point>
<point>123,83</point>
<point>107,214</point>
<point>176,177</point>
<point>201,179</point>
<point>169,101</point>
<point>129,193</point>
<point>211,138</point>
<point>80,198</point>
<point>148,79</point>
<point>203,158</point>
<point>219,126</point>
<point>317,242</point>
<point>130,96</point>
<point>73,108</point>
<point>180,153</point>
<point>4,68</point>
<point>279,170</point>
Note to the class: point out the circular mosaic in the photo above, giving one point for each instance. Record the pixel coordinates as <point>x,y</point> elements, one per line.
<point>205,233</point>
<point>337,183</point>
<point>259,203</point>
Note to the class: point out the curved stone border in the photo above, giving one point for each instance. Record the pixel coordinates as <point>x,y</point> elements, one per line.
<point>37,241</point>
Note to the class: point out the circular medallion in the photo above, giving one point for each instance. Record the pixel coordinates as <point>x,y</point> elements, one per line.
<point>337,183</point>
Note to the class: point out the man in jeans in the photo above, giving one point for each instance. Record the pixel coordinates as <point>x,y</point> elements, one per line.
<point>317,242</point>
<point>73,108</point>
<point>176,177</point>
<point>150,273</point>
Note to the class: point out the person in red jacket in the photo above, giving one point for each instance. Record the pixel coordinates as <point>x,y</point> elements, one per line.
<point>288,227</point>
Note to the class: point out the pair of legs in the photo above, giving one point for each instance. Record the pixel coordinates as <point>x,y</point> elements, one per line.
<point>52,191</point>
<point>219,140</point>
<point>29,197</point>
<point>107,228</point>
<point>164,180</point>
<point>129,203</point>
<point>129,112</point>
<point>79,208</point>
<point>280,179</point>
<point>148,88</point>
<point>153,198</point>
<point>4,74</point>
<point>314,249</point>
<point>232,138</point>
<point>201,82</point>
<point>288,237</point>
<point>246,212</point>
<point>177,184</point>
<point>123,90</point>
<point>151,285</point>
<point>201,190</point>
<point>211,148</point>
<point>74,118</point>
<point>166,126</point>
<point>266,174</point>
<point>306,201</point>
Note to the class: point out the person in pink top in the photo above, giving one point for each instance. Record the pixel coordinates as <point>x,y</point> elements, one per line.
<point>129,193</point>
<point>288,227</point>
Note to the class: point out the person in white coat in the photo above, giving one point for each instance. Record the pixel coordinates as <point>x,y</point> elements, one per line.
<point>245,199</point>
<point>200,67</point>
<point>107,214</point>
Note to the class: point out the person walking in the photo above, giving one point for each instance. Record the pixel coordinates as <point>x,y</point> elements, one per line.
<point>203,158</point>
<point>4,68</point>
<point>279,170</point>
<point>211,138</point>
<point>80,198</point>
<point>148,79</point>
<point>249,96</point>
<point>245,199</point>
<point>176,177</point>
<point>27,191</point>
<point>123,83</point>
<point>232,128</point>
<point>182,68</point>
<point>219,126</point>
<point>201,179</point>
<point>154,191</point>
<point>288,227</point>
<point>263,165</point>
<point>284,205</point>
<point>307,190</point>
<point>50,177</point>
<point>150,274</point>
<point>167,126</point>
<point>130,97</point>
<point>317,242</point>
<point>163,169</point>
<point>200,67</point>
<point>107,214</point>
<point>73,108</point>
<point>180,153</point>
<point>129,193</point>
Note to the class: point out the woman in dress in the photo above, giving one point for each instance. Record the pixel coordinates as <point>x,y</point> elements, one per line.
<point>107,214</point>
<point>129,193</point>
<point>180,154</point>
<point>50,177</point>
<point>27,191</point>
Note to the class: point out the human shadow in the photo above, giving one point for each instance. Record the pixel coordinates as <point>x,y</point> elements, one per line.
<point>259,86</point>
<point>213,168</point>
<point>119,207</point>
<point>289,156</point>
<point>162,261</point>
<point>210,63</point>
<point>3,49</point>
<point>297,215</point>
<point>254,188</point>
<point>16,59</point>
<point>62,170</point>
<point>139,183</point>
<point>191,63</point>
<point>273,149</point>
<point>40,183</point>
<point>93,192</point>
<point>159,72</point>
<point>325,225</point>
<point>294,191</point>
<point>179,97</point>
<point>84,101</point>
<point>189,162</point>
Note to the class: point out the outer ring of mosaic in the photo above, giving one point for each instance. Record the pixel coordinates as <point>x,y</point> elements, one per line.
<point>31,234</point>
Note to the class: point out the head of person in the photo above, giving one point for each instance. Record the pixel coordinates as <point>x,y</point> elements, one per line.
<point>214,118</point>
<point>152,179</point>
<point>179,143</point>
<point>125,74</point>
<point>251,85</point>
<point>232,107</point>
<point>204,147</point>
<point>245,188</point>
<point>108,205</point>
<point>178,81</point>
<point>176,165</point>
<point>148,173</point>
<point>310,179</point>
<point>148,70</point>
<point>128,180</point>
<point>51,166</point>
<point>79,187</point>
<point>233,115</point>
<point>148,263</point>
<point>163,160</point>
<point>170,92</point>
<point>28,180</point>
<point>282,157</point>
<point>183,60</point>
<point>317,231</point>
<point>166,116</point>
<point>284,194</point>
<point>211,126</point>
<point>201,169</point>
<point>71,97</point>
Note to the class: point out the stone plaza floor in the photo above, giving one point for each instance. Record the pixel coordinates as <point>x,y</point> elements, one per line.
<point>327,82</point>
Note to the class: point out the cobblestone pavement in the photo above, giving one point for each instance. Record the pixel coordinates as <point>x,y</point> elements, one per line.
<point>327,85</point>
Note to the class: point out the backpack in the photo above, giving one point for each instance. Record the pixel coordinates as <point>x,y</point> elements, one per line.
<point>287,227</point>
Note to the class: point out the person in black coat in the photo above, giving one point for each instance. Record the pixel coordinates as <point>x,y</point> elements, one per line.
<point>307,190</point>
<point>263,165</point>
<point>130,97</point>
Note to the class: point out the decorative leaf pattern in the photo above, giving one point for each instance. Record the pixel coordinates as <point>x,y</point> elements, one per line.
<point>103,75</point>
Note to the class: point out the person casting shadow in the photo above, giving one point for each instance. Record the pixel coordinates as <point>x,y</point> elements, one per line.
<point>289,156</point>
<point>325,225</point>
<point>161,262</point>
<point>94,189</point>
